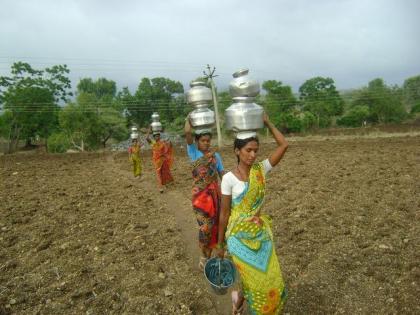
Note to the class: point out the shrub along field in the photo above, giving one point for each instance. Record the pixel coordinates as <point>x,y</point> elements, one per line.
<point>80,235</point>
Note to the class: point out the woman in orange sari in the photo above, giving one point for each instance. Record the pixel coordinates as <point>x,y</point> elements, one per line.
<point>162,156</point>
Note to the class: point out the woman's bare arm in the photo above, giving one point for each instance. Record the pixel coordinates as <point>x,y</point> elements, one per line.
<point>148,135</point>
<point>223,221</point>
<point>281,141</point>
<point>188,131</point>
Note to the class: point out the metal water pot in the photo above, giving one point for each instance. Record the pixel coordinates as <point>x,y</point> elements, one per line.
<point>200,96</point>
<point>133,129</point>
<point>243,84</point>
<point>199,93</point>
<point>156,125</point>
<point>134,135</point>
<point>202,117</point>
<point>244,115</point>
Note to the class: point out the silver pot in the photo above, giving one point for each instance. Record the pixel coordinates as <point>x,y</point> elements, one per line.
<point>156,125</point>
<point>155,117</point>
<point>133,129</point>
<point>243,84</point>
<point>134,135</point>
<point>202,117</point>
<point>244,115</point>
<point>199,93</point>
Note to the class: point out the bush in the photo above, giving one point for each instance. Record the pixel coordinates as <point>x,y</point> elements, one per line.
<point>58,143</point>
<point>287,122</point>
<point>292,123</point>
<point>354,117</point>
<point>415,109</point>
<point>308,121</point>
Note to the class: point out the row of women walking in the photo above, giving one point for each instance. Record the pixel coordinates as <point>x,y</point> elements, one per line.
<point>228,209</point>
<point>162,157</point>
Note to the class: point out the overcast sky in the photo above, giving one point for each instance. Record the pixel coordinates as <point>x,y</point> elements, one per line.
<point>352,41</point>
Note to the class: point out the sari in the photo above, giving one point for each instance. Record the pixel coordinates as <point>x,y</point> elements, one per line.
<point>206,200</point>
<point>162,156</point>
<point>250,243</point>
<point>135,159</point>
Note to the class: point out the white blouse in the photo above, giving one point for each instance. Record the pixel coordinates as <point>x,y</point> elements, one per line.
<point>231,185</point>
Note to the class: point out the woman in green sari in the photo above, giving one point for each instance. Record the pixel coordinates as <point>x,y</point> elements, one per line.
<point>247,232</point>
<point>134,157</point>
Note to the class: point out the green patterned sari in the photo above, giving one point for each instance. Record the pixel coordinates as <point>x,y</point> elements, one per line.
<point>250,243</point>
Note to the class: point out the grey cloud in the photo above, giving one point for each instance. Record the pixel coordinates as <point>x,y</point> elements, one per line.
<point>292,41</point>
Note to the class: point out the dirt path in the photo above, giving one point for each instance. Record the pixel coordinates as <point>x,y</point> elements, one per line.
<point>176,204</point>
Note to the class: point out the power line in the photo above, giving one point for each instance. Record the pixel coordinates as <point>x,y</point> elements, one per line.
<point>182,102</point>
<point>135,106</point>
<point>263,97</point>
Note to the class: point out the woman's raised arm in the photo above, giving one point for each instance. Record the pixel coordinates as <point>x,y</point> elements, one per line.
<point>281,141</point>
<point>188,131</point>
<point>148,134</point>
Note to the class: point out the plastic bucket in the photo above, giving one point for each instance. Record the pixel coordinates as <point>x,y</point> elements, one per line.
<point>220,273</point>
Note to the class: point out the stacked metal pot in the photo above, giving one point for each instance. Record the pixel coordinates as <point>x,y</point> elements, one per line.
<point>156,124</point>
<point>200,96</point>
<point>134,133</point>
<point>244,117</point>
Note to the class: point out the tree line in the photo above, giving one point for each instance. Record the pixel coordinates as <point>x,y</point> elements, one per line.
<point>40,104</point>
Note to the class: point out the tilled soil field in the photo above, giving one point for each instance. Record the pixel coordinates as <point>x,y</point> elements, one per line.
<point>80,235</point>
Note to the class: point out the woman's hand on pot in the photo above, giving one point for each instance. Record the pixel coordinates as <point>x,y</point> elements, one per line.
<point>266,119</point>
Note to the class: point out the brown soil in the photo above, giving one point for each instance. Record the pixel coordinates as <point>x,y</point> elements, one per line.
<point>80,235</point>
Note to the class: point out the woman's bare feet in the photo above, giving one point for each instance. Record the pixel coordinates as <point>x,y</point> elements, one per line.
<point>238,305</point>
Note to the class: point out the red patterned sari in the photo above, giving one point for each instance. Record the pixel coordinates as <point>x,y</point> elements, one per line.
<point>206,200</point>
<point>162,160</point>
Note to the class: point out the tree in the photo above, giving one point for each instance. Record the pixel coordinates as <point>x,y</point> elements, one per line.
<point>6,119</point>
<point>411,92</point>
<point>354,117</point>
<point>75,121</point>
<point>308,120</point>
<point>384,102</point>
<point>31,96</point>
<point>103,113</point>
<point>320,97</point>
<point>58,142</point>
<point>90,122</point>
<point>279,97</point>
<point>102,88</point>
<point>110,124</point>
<point>123,100</point>
<point>415,109</point>
<point>157,94</point>
<point>279,104</point>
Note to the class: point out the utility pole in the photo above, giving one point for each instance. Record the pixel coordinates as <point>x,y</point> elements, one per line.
<point>209,76</point>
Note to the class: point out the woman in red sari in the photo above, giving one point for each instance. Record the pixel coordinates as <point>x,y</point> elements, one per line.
<point>162,156</point>
<point>207,168</point>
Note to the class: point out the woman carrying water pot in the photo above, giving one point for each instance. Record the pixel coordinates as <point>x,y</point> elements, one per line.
<point>207,168</point>
<point>246,231</point>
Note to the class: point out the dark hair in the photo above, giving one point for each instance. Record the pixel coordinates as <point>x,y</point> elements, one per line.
<point>198,136</point>
<point>240,143</point>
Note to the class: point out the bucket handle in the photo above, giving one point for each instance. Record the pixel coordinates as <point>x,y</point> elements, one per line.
<point>220,273</point>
